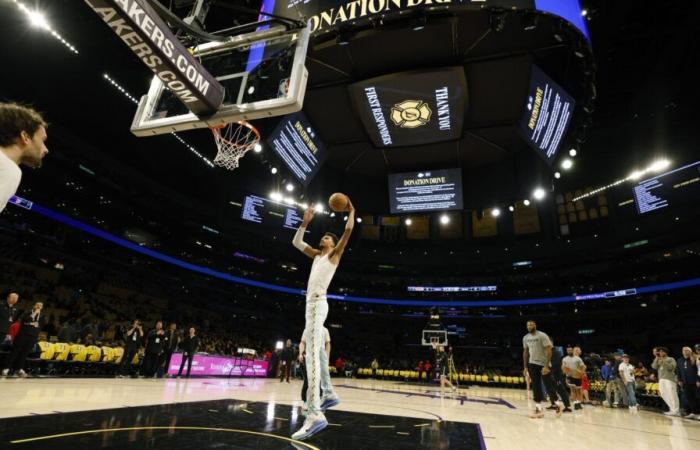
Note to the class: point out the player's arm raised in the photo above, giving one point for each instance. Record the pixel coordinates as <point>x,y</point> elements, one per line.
<point>343,241</point>
<point>298,240</point>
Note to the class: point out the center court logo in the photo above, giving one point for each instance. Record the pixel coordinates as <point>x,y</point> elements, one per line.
<point>411,114</point>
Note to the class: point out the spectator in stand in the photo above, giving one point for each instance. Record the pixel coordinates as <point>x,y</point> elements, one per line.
<point>374,366</point>
<point>170,341</point>
<point>666,368</point>
<point>585,382</point>
<point>134,335</point>
<point>154,348</point>
<point>32,321</point>
<point>8,314</point>
<point>612,390</point>
<point>190,345</point>
<point>339,365</point>
<point>624,401</point>
<point>428,370</point>
<point>349,369</point>
<point>420,369</point>
<point>640,372</point>
<point>286,358</point>
<point>627,377</point>
<point>688,380</point>
<point>68,333</point>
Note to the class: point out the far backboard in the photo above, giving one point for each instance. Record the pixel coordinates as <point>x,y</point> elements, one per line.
<point>262,72</point>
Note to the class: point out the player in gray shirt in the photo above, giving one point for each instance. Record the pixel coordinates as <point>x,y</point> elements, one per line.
<point>574,368</point>
<point>537,357</point>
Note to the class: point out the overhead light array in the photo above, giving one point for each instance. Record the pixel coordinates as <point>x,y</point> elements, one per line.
<point>135,101</point>
<point>654,167</point>
<point>38,20</point>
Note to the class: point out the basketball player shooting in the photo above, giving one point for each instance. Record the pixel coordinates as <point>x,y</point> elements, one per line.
<point>325,261</point>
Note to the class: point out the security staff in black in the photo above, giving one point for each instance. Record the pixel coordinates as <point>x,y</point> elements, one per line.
<point>132,342</point>
<point>154,348</point>
<point>170,341</point>
<point>189,346</point>
<point>8,314</point>
<point>32,322</point>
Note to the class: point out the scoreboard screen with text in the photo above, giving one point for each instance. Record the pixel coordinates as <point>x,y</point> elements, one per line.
<point>429,190</point>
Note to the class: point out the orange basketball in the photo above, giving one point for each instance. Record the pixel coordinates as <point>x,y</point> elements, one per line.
<point>338,202</point>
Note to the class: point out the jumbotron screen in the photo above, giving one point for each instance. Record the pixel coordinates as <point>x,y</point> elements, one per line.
<point>263,211</point>
<point>412,108</point>
<point>548,112</point>
<point>296,143</point>
<point>673,188</point>
<point>429,190</point>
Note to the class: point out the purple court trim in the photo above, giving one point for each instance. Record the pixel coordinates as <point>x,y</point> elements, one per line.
<point>482,443</point>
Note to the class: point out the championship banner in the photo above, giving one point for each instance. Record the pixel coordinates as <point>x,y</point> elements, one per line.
<point>390,221</point>
<point>370,232</point>
<point>526,219</point>
<point>146,34</point>
<point>419,229</point>
<point>486,226</point>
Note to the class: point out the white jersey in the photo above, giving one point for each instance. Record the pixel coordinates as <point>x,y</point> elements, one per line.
<point>10,176</point>
<point>322,271</point>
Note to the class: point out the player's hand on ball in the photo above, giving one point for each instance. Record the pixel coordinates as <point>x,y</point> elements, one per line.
<point>545,370</point>
<point>351,207</point>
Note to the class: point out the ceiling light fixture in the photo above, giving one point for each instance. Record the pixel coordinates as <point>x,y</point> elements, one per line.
<point>38,20</point>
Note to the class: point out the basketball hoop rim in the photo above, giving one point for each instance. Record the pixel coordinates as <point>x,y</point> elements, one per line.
<point>216,129</point>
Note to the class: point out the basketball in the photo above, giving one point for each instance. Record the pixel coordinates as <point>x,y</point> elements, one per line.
<point>338,202</point>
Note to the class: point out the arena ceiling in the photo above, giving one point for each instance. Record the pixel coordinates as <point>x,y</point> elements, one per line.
<point>645,85</point>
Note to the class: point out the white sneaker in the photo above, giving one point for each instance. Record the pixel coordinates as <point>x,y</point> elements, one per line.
<point>633,409</point>
<point>22,373</point>
<point>672,413</point>
<point>5,372</point>
<point>329,402</point>
<point>606,403</point>
<point>312,425</point>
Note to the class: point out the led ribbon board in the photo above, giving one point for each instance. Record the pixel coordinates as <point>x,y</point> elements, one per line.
<point>327,15</point>
<point>502,303</point>
<point>147,35</point>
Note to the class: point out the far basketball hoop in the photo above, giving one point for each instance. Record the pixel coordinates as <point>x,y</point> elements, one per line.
<point>233,141</point>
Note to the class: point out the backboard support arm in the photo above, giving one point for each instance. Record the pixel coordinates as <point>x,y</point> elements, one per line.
<point>141,28</point>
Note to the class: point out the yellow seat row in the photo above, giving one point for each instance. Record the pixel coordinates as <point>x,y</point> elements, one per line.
<point>59,351</point>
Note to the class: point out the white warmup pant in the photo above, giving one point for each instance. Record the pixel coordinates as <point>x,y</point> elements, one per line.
<point>316,313</point>
<point>669,393</point>
<point>326,384</point>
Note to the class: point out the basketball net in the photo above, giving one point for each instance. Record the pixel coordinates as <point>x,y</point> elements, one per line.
<point>233,141</point>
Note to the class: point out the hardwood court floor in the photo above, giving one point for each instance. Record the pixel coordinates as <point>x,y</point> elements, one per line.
<point>372,414</point>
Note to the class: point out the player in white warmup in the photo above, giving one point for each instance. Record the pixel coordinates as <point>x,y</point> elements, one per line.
<point>22,141</point>
<point>326,260</point>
